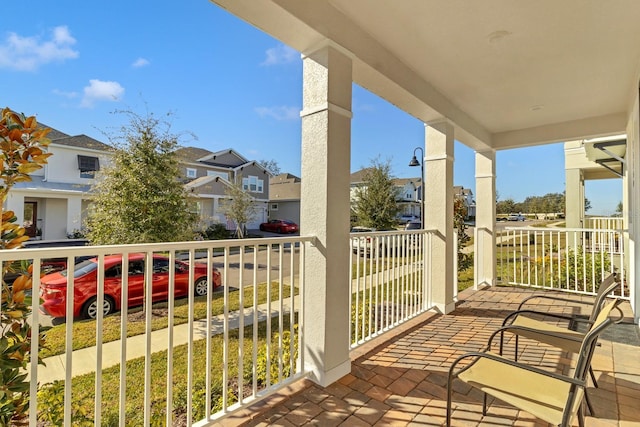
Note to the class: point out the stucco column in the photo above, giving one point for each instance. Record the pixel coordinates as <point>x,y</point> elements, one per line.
<point>631,207</point>
<point>574,198</point>
<point>15,203</point>
<point>438,202</point>
<point>74,214</point>
<point>324,212</point>
<point>485,237</point>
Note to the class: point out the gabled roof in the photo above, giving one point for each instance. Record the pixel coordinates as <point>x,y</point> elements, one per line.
<point>252,163</point>
<point>227,158</point>
<point>54,133</point>
<point>192,154</point>
<point>357,177</point>
<point>82,141</point>
<point>284,178</point>
<point>198,182</point>
<point>284,187</point>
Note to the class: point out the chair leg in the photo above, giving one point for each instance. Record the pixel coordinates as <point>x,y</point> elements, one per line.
<point>484,404</point>
<point>449,393</point>
<point>589,405</point>
<point>581,415</point>
<point>593,377</point>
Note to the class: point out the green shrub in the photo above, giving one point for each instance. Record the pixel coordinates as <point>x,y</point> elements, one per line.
<point>216,232</point>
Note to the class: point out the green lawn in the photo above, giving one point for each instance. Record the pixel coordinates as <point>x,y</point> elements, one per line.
<point>50,408</point>
<point>84,332</point>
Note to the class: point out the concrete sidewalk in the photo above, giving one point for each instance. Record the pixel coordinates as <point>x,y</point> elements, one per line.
<point>84,360</point>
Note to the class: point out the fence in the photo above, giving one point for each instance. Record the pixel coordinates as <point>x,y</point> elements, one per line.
<point>568,259</point>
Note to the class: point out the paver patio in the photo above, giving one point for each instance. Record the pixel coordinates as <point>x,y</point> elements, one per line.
<point>400,379</point>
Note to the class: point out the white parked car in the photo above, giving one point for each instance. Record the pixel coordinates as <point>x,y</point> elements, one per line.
<point>516,217</point>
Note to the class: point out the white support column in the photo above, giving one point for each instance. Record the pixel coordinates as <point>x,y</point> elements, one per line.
<point>15,203</point>
<point>574,198</point>
<point>324,212</point>
<point>632,207</point>
<point>74,214</point>
<point>485,238</point>
<point>439,212</point>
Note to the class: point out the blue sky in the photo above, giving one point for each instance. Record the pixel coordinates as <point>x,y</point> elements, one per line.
<point>72,64</point>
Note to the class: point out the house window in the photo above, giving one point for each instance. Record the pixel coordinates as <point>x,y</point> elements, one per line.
<point>223,175</point>
<point>274,206</point>
<point>88,166</point>
<point>191,173</point>
<point>253,184</point>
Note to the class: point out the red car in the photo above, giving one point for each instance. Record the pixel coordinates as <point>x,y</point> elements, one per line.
<point>279,226</point>
<point>53,290</point>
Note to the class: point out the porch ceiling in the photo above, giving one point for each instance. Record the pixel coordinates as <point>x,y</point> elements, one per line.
<point>507,74</point>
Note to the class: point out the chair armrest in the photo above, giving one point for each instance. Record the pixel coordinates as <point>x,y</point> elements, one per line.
<point>512,316</point>
<point>553,298</point>
<point>515,329</point>
<point>480,354</point>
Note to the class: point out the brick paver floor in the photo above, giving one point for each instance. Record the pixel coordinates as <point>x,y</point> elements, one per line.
<point>401,378</point>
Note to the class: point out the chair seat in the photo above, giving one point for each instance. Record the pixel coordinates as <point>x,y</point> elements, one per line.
<point>565,339</point>
<point>540,395</point>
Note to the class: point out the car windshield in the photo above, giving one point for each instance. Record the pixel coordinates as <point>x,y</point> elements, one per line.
<point>82,268</point>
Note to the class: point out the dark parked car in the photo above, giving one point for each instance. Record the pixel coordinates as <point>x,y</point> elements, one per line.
<point>413,225</point>
<point>53,290</point>
<point>48,265</point>
<point>279,226</point>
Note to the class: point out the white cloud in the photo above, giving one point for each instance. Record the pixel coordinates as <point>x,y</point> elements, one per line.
<point>65,94</point>
<point>140,62</point>
<point>99,90</point>
<point>279,113</point>
<point>29,53</point>
<point>280,55</point>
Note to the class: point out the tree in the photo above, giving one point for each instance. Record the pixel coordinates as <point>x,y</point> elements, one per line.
<point>139,197</point>
<point>587,204</point>
<point>465,260</point>
<point>375,199</point>
<point>505,206</point>
<point>619,209</point>
<point>271,165</point>
<point>22,146</point>
<point>239,207</point>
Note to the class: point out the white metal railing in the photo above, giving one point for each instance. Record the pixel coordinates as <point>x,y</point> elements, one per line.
<point>566,259</point>
<point>250,330</point>
<point>604,223</point>
<point>388,280</point>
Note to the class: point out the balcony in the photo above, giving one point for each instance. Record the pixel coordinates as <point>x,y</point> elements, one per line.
<point>399,346</point>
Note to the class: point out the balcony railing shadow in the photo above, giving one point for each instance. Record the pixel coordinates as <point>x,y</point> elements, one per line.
<point>401,377</point>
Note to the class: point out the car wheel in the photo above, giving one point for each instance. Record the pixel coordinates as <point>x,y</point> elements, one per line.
<point>90,308</point>
<point>261,227</point>
<point>279,230</point>
<point>201,287</point>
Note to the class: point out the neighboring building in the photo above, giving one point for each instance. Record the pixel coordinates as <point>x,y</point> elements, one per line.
<point>201,168</point>
<point>467,197</point>
<point>284,197</point>
<point>54,204</point>
<point>409,196</point>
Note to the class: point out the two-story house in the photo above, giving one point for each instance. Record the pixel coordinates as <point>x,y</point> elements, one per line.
<point>53,205</point>
<point>466,195</point>
<point>408,194</point>
<point>208,174</point>
<point>284,197</point>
